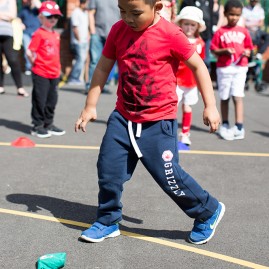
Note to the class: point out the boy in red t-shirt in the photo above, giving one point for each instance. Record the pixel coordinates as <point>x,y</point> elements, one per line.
<point>44,54</point>
<point>190,19</point>
<point>143,126</point>
<point>232,45</point>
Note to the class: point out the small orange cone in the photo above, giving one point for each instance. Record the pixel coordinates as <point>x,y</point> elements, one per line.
<point>23,142</point>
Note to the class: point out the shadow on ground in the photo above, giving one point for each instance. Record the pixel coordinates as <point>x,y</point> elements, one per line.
<point>64,209</point>
<point>15,125</point>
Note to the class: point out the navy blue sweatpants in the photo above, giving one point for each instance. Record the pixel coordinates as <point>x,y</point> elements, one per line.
<point>158,144</point>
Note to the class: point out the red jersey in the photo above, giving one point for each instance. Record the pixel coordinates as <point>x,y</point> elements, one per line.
<point>232,37</point>
<point>46,45</point>
<point>185,76</point>
<point>148,61</point>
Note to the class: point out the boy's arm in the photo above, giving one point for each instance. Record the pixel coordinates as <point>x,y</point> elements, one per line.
<point>99,79</point>
<point>31,55</point>
<point>223,51</point>
<point>92,21</point>
<point>211,115</point>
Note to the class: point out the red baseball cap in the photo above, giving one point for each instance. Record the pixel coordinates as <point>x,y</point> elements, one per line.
<point>49,8</point>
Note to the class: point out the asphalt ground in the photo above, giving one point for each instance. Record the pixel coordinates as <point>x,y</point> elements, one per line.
<point>48,193</point>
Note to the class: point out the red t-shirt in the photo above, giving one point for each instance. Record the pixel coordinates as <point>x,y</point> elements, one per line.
<point>185,76</point>
<point>147,62</point>
<point>231,37</point>
<point>46,45</point>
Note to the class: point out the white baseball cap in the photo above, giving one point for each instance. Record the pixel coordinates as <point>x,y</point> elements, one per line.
<point>193,14</point>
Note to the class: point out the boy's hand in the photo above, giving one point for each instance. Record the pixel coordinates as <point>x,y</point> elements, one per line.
<point>247,52</point>
<point>230,51</point>
<point>86,115</point>
<point>211,118</point>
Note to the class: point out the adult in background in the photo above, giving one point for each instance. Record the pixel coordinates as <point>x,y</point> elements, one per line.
<point>207,7</point>
<point>103,14</point>
<point>218,15</point>
<point>8,12</point>
<point>253,19</point>
<point>29,18</point>
<point>79,40</point>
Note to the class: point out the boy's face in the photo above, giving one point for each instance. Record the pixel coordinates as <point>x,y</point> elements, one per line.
<point>189,27</point>
<point>49,21</point>
<point>233,15</point>
<point>137,14</point>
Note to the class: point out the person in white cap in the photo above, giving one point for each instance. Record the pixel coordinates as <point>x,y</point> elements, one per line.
<point>44,55</point>
<point>190,19</point>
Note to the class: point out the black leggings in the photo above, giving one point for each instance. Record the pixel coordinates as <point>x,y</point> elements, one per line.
<point>12,56</point>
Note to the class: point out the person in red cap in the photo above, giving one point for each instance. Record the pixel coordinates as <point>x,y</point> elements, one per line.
<point>44,54</point>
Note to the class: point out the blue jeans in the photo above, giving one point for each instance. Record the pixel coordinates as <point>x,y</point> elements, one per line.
<point>26,41</point>
<point>158,143</point>
<point>80,52</point>
<point>96,47</point>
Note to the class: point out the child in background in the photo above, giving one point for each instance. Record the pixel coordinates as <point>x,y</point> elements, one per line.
<point>232,45</point>
<point>143,125</point>
<point>169,10</point>
<point>190,19</point>
<point>44,54</point>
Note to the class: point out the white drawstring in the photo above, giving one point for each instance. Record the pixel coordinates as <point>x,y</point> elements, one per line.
<point>138,134</point>
<point>138,129</point>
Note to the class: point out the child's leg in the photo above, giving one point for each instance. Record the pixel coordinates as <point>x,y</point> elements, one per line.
<point>186,118</point>
<point>158,144</point>
<point>224,108</point>
<point>51,101</point>
<point>239,109</point>
<point>116,163</point>
<point>39,99</point>
<point>238,92</point>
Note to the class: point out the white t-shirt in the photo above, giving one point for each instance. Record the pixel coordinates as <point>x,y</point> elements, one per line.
<point>80,19</point>
<point>253,16</point>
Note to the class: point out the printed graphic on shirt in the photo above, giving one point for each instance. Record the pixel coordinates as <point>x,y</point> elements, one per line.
<point>233,37</point>
<point>139,88</point>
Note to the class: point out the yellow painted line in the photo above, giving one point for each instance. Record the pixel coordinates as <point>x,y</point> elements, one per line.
<point>5,144</point>
<point>144,238</point>
<point>66,146</point>
<point>228,153</point>
<point>201,152</point>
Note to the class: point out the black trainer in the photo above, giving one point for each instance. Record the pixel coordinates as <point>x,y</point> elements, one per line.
<point>40,132</point>
<point>53,130</point>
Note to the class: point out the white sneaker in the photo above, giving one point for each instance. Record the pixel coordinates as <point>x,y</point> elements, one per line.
<point>28,73</point>
<point>238,134</point>
<point>225,132</point>
<point>185,138</point>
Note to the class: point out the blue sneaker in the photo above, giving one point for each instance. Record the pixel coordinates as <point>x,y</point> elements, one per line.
<point>98,232</point>
<point>203,231</point>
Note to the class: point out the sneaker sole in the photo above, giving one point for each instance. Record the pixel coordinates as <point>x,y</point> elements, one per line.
<point>56,133</point>
<point>219,219</point>
<point>96,240</point>
<point>39,135</point>
<point>227,138</point>
<point>239,137</point>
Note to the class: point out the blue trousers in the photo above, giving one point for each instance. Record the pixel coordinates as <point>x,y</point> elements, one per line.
<point>80,52</point>
<point>159,146</point>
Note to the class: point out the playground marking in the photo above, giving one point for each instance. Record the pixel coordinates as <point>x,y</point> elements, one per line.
<point>202,152</point>
<point>144,238</point>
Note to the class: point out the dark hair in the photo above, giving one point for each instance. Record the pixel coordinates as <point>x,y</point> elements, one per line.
<point>82,1</point>
<point>231,4</point>
<point>151,2</point>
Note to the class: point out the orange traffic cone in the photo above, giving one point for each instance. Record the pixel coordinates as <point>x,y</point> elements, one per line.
<point>23,142</point>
